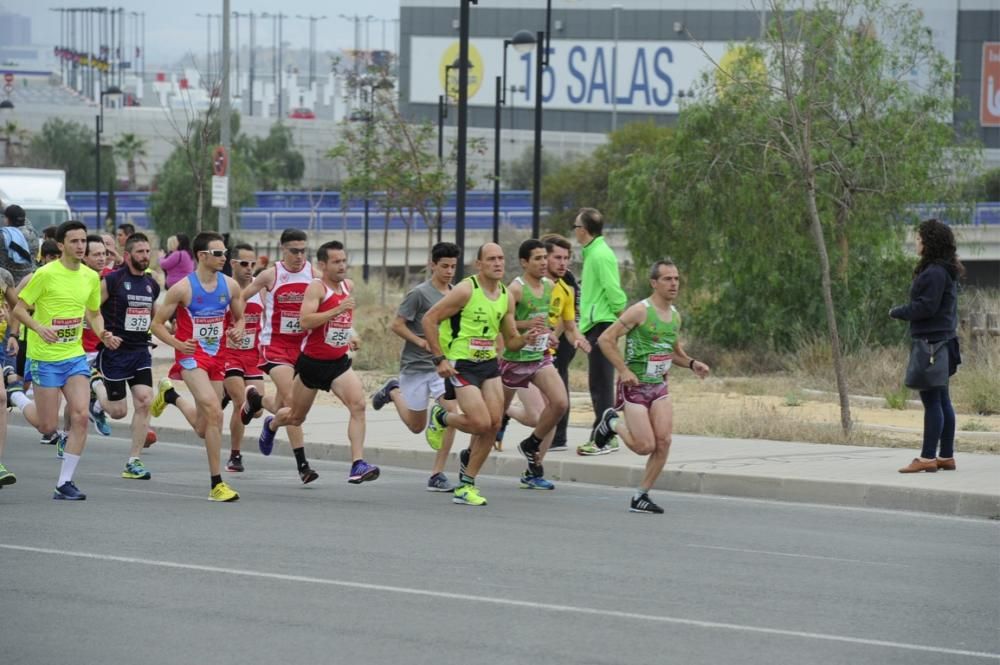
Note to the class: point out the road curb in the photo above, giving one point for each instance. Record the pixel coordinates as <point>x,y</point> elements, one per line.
<point>590,470</point>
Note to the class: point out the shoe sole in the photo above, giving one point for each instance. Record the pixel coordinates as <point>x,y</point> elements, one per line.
<point>440,489</point>
<point>533,487</point>
<point>463,502</point>
<point>644,512</point>
<point>232,470</point>
<point>309,478</point>
<point>367,477</point>
<point>60,497</point>
<point>129,476</point>
<point>230,500</point>
<point>9,479</point>
<point>266,448</point>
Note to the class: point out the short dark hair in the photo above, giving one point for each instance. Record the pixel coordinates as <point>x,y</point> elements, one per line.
<point>93,237</point>
<point>553,240</point>
<point>203,239</point>
<point>527,247</point>
<point>322,254</point>
<point>15,214</point>
<point>592,220</point>
<point>654,270</point>
<point>134,239</point>
<point>66,227</point>
<point>50,232</point>
<point>445,250</point>
<point>243,246</point>
<point>50,248</point>
<point>292,235</point>
<point>129,229</point>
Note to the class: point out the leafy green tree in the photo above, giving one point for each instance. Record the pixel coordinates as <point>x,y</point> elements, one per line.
<point>69,146</point>
<point>786,189</point>
<point>519,172</point>
<point>131,149</point>
<point>275,162</point>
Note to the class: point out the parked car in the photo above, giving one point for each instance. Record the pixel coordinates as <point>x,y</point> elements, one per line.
<point>302,113</point>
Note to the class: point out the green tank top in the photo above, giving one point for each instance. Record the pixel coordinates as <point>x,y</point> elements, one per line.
<point>529,307</point>
<point>472,333</point>
<point>649,347</point>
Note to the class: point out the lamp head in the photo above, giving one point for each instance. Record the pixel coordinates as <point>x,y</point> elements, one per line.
<point>523,41</point>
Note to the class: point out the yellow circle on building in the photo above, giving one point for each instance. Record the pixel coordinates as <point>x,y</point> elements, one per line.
<point>449,76</point>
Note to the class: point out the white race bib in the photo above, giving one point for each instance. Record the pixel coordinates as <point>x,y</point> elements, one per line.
<point>338,336</point>
<point>540,344</point>
<point>245,343</point>
<point>290,324</point>
<point>658,364</point>
<point>207,329</point>
<point>137,319</point>
<point>67,330</point>
<point>481,348</point>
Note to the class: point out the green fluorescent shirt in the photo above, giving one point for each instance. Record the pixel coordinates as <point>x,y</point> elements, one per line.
<point>601,295</point>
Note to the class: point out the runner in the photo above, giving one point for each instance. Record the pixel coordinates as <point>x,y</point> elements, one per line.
<point>418,380</point>
<point>465,324</point>
<point>532,365</point>
<point>281,334</point>
<point>651,346</point>
<point>327,313</point>
<point>129,297</point>
<point>7,289</point>
<point>63,293</point>
<point>201,301</point>
<point>96,260</point>
<point>244,381</point>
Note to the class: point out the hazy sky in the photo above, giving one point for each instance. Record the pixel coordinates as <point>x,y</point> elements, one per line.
<point>172,28</point>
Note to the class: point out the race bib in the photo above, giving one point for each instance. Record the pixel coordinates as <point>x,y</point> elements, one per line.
<point>137,319</point>
<point>67,330</point>
<point>290,324</point>
<point>337,336</point>
<point>207,329</point>
<point>481,348</point>
<point>245,343</point>
<point>658,364</point>
<point>540,344</point>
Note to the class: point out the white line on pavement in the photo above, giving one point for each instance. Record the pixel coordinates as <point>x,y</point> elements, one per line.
<point>797,556</point>
<point>507,602</point>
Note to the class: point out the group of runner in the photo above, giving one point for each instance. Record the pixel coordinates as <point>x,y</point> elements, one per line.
<point>469,349</point>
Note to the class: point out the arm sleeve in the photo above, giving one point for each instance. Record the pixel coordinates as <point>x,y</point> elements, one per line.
<point>409,308</point>
<point>170,260</point>
<point>929,289</point>
<point>611,283</point>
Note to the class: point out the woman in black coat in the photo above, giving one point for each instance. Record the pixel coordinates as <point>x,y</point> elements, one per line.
<point>933,316</point>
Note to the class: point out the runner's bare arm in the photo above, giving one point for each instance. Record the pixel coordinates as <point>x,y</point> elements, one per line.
<point>96,322</point>
<point>178,294</point>
<point>236,307</point>
<point>508,328</point>
<point>445,308</point>
<point>262,282</point>
<point>608,341</point>
<point>22,316</point>
<point>681,358</point>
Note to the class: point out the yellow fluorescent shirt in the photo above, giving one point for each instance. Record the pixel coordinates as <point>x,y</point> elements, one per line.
<point>60,297</point>
<point>562,307</point>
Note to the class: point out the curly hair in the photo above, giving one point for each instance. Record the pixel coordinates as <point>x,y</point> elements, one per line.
<point>939,247</point>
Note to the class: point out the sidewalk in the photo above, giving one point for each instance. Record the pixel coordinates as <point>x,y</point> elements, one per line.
<point>786,471</point>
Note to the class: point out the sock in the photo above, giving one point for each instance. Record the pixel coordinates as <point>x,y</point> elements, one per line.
<point>171,397</point>
<point>18,399</point>
<point>613,424</point>
<point>466,479</point>
<point>235,454</point>
<point>216,480</point>
<point>533,442</point>
<point>133,459</point>
<point>536,470</point>
<point>639,492</point>
<point>68,468</point>
<point>300,457</point>
<point>442,418</point>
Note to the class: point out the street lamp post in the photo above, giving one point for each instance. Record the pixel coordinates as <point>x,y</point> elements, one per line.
<point>615,9</point>
<point>463,132</point>
<point>112,91</point>
<point>374,85</point>
<point>501,100</point>
<point>312,43</point>
<point>442,114</point>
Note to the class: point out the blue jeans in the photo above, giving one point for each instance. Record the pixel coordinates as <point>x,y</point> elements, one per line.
<point>939,423</point>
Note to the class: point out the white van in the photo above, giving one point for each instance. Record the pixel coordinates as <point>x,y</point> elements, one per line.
<point>41,192</point>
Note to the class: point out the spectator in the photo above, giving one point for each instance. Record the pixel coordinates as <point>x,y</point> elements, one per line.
<point>19,245</point>
<point>178,262</point>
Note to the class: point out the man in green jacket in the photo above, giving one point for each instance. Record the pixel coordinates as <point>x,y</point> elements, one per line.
<point>601,302</point>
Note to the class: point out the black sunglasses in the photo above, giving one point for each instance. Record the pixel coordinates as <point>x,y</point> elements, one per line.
<point>217,253</point>
<point>295,250</point>
<point>247,264</point>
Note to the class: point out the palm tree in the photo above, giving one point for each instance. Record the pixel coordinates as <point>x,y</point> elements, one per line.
<point>14,137</point>
<point>131,149</point>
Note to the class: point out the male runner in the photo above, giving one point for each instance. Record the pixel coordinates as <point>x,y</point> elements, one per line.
<point>418,379</point>
<point>461,331</point>
<point>325,363</point>
<point>281,335</point>
<point>7,292</point>
<point>129,297</point>
<point>532,365</point>
<point>63,293</point>
<point>244,381</point>
<point>95,259</point>
<point>651,346</point>
<point>201,301</point>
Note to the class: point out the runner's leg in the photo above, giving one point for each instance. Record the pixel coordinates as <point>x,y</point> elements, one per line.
<point>235,387</point>
<point>207,398</point>
<point>142,397</point>
<point>283,377</point>
<point>348,389</point>
<point>487,401</point>
<point>661,415</point>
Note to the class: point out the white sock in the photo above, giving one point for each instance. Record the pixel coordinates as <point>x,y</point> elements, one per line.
<point>19,399</point>
<point>639,492</point>
<point>68,468</point>
<point>613,424</point>
<point>133,459</point>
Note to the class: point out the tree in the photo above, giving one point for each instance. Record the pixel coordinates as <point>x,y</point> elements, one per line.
<point>786,188</point>
<point>14,138</point>
<point>519,173</point>
<point>69,146</point>
<point>131,149</point>
<point>275,162</point>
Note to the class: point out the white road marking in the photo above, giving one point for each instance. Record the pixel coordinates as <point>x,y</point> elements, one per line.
<point>507,602</point>
<point>797,556</point>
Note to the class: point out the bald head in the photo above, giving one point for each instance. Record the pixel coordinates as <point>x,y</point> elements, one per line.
<point>488,248</point>
<point>490,261</point>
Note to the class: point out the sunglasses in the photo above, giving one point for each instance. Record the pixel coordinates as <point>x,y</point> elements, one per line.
<point>246,264</point>
<point>578,226</point>
<point>295,250</point>
<point>217,253</point>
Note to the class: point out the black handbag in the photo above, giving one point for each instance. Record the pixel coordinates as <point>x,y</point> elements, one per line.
<point>928,366</point>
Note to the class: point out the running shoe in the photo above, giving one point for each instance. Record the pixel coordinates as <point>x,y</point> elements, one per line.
<point>251,405</point>
<point>136,470</point>
<point>68,492</point>
<point>439,483</point>
<point>307,475</point>
<point>235,463</point>
<point>49,439</point>
<point>643,504</point>
<point>381,397</point>
<point>603,432</point>
<point>558,447</point>
<point>226,399</point>
<point>266,440</point>
<point>529,450</point>
<point>463,461</point>
<point>591,448</point>
<point>468,495</point>
<point>150,437</point>
<point>8,478</point>
<point>223,492</point>
<point>362,471</point>
<point>435,430</point>
<point>61,445</point>
<point>529,482</point>
<point>498,439</point>
<point>160,401</point>
<point>99,418</point>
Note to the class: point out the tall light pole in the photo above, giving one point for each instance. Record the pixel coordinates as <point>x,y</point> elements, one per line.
<point>312,43</point>
<point>463,132</point>
<point>501,100</point>
<point>442,114</point>
<point>111,91</point>
<point>615,9</point>
<point>208,46</point>
<point>224,109</point>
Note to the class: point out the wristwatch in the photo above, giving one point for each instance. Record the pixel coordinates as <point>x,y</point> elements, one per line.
<point>437,359</point>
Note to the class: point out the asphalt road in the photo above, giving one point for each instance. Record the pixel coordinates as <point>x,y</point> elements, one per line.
<point>151,572</point>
